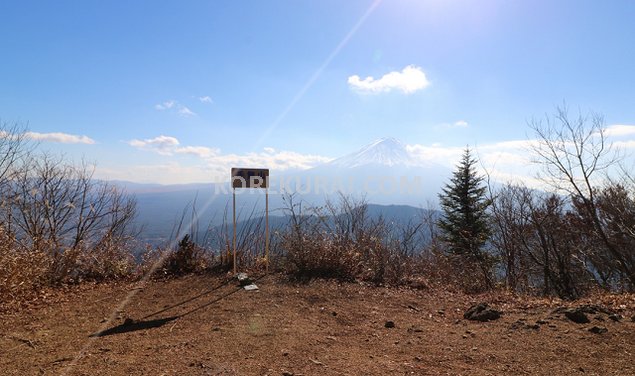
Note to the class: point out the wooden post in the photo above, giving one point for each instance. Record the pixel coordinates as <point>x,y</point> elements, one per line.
<point>267,230</point>
<point>234,241</point>
<point>245,178</point>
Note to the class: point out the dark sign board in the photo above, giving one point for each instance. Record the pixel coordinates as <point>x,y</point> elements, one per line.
<point>250,178</point>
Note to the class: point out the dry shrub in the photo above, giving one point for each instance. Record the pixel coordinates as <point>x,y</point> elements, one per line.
<point>373,259</point>
<point>447,270</point>
<point>342,241</point>
<point>151,260</point>
<point>25,271</point>
<point>187,258</point>
<point>318,255</point>
<point>319,244</point>
<point>109,260</point>
<point>21,272</point>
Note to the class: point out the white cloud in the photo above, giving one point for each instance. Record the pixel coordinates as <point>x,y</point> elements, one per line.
<point>408,81</point>
<point>205,99</point>
<point>512,144</point>
<point>516,177</point>
<point>437,153</point>
<point>64,138</point>
<point>164,145</point>
<point>168,145</point>
<point>618,130</point>
<point>456,124</point>
<point>165,105</point>
<point>218,163</point>
<point>199,151</point>
<point>185,111</point>
<point>175,106</point>
<point>505,158</point>
<point>624,144</point>
<point>171,172</point>
<point>507,161</point>
<point>279,161</point>
<point>461,124</point>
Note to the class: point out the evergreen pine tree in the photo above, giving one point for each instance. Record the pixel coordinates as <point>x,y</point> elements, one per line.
<point>464,224</point>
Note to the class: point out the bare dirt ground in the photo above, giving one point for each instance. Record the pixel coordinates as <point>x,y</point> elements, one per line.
<point>204,325</point>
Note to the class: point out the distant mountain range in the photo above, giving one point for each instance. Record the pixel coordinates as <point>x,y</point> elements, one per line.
<point>383,172</point>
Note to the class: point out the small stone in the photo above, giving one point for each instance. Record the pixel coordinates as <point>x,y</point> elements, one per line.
<point>243,279</point>
<point>287,373</point>
<point>598,330</point>
<point>389,324</point>
<point>615,317</point>
<point>523,325</point>
<point>481,312</point>
<point>577,316</point>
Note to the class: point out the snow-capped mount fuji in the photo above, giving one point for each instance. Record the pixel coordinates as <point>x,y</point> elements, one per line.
<point>384,172</point>
<point>385,151</point>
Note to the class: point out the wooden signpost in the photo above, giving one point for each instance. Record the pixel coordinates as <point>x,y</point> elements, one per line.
<point>251,178</point>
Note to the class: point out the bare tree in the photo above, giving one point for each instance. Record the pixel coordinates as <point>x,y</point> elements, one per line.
<point>540,242</point>
<point>510,211</point>
<point>575,154</point>
<point>59,209</point>
<point>616,211</point>
<point>556,247</point>
<point>13,146</point>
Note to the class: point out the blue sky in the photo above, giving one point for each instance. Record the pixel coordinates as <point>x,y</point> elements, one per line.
<point>159,91</point>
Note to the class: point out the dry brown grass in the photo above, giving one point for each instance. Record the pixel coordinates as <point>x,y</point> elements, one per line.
<point>25,272</point>
<point>21,272</point>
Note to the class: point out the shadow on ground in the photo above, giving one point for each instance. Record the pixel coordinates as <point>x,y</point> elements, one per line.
<point>131,325</point>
